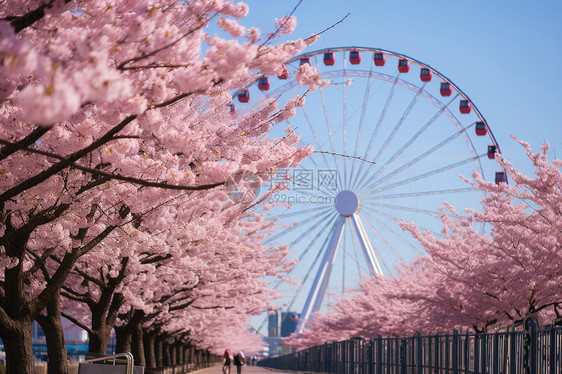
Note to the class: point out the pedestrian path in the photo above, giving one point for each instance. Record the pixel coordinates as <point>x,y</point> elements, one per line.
<point>245,370</point>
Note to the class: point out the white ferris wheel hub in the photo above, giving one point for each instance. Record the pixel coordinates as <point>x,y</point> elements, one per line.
<point>347,203</point>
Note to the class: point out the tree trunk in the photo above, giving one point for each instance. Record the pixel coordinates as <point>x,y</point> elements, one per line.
<point>17,344</point>
<point>173,357</point>
<point>137,344</point>
<point>185,348</point>
<point>123,336</point>
<point>179,353</point>
<point>149,349</point>
<point>167,359</point>
<point>98,341</point>
<point>159,351</point>
<point>56,348</point>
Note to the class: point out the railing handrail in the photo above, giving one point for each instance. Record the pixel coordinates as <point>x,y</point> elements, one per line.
<point>127,355</point>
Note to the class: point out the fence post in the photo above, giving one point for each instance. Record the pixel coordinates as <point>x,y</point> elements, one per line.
<point>402,356</point>
<point>455,358</point>
<point>530,347</point>
<point>476,354</point>
<point>437,362</point>
<point>379,359</point>
<point>370,358</point>
<point>552,351</point>
<point>419,354</point>
<point>495,355</point>
<point>512,353</point>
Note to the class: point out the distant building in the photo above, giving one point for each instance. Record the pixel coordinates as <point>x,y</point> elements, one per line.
<point>281,324</point>
<point>274,320</point>
<point>288,323</point>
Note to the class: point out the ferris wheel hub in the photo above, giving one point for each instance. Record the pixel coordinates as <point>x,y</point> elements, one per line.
<point>347,203</point>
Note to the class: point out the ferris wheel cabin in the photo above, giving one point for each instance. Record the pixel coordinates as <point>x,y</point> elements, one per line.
<point>500,177</point>
<point>492,149</point>
<point>481,128</point>
<point>305,60</point>
<point>425,74</point>
<point>329,58</point>
<point>244,95</point>
<point>263,83</point>
<point>464,106</point>
<point>232,108</point>
<point>446,89</point>
<point>379,58</point>
<point>355,57</point>
<point>403,65</point>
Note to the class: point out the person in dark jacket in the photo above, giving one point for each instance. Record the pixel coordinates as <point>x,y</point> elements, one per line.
<point>239,361</point>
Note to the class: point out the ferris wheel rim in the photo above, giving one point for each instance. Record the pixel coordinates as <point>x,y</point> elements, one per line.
<point>400,55</point>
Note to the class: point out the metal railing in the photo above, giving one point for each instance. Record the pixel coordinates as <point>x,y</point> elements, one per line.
<point>115,359</point>
<point>528,351</point>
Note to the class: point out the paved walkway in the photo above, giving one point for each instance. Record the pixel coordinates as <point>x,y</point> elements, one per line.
<point>245,370</point>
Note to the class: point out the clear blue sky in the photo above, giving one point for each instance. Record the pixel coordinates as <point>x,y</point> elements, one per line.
<point>505,55</point>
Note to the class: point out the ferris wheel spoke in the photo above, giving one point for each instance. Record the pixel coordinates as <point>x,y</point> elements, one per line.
<point>395,129</point>
<point>305,212</point>
<point>397,207</point>
<point>344,119</point>
<point>418,158</point>
<point>424,193</point>
<point>409,142</point>
<point>372,192</point>
<point>396,218</point>
<point>292,228</point>
<point>344,252</point>
<point>377,127</point>
<point>320,146</point>
<point>327,117</point>
<point>392,231</point>
<point>307,234</point>
<point>361,120</point>
<point>360,271</point>
<point>331,223</point>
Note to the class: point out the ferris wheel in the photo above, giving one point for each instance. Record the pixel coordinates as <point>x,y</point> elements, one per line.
<point>391,135</point>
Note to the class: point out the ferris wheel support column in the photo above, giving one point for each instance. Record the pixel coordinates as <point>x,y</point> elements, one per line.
<point>366,246</point>
<point>316,294</point>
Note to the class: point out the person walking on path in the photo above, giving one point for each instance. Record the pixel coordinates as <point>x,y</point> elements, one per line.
<point>239,360</point>
<point>227,359</point>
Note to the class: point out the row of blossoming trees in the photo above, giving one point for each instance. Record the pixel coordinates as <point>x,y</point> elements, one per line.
<point>116,139</point>
<point>469,280</point>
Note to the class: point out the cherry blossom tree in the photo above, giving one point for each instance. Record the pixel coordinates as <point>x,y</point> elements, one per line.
<point>108,110</point>
<point>468,280</point>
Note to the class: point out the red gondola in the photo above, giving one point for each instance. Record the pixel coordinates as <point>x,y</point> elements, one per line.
<point>491,151</point>
<point>263,83</point>
<point>403,65</point>
<point>244,95</point>
<point>465,106</point>
<point>305,60</point>
<point>425,74</point>
<point>379,58</point>
<point>481,128</point>
<point>355,57</point>
<point>232,108</point>
<point>329,58</point>
<point>284,74</point>
<point>446,89</point>
<point>500,177</point>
